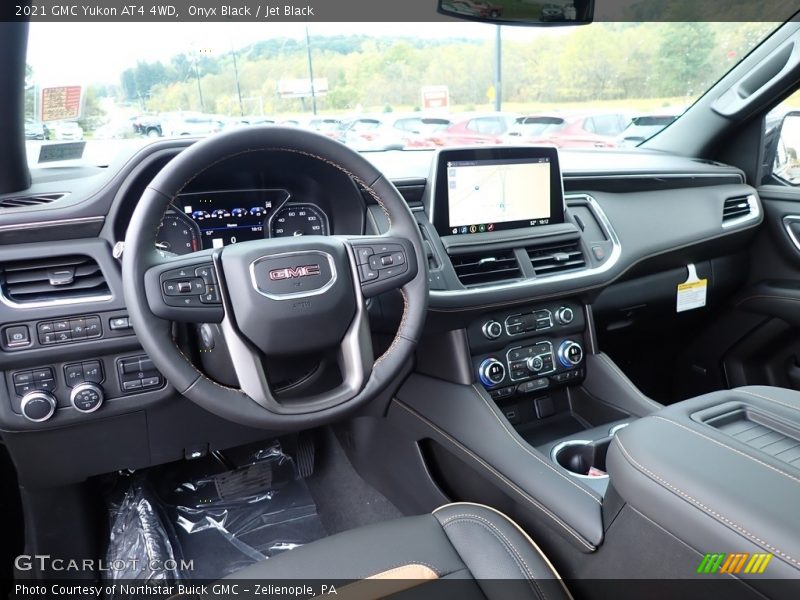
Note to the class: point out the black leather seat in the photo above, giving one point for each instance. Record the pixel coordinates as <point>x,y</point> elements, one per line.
<point>489,555</point>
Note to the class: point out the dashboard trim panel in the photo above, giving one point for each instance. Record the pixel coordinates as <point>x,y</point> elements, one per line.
<point>54,223</point>
<point>610,262</point>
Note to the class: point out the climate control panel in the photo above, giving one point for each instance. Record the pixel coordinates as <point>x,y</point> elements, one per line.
<point>536,366</point>
<point>529,350</point>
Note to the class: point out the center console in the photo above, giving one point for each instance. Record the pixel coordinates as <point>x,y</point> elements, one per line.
<point>529,350</point>
<point>721,472</point>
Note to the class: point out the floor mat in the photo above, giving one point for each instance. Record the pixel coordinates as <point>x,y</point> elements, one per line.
<point>344,500</point>
<point>220,522</point>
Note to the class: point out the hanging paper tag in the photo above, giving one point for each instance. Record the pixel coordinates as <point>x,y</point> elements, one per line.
<point>692,293</point>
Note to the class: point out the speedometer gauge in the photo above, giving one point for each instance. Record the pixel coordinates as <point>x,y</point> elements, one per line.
<point>298,219</point>
<point>178,234</point>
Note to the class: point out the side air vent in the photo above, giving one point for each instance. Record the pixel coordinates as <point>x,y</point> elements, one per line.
<point>737,209</point>
<point>22,201</point>
<point>554,259</point>
<point>66,279</point>
<point>486,267</point>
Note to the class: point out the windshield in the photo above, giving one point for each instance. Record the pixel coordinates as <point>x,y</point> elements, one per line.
<point>604,85</point>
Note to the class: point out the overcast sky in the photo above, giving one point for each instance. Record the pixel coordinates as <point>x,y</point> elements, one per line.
<point>82,53</point>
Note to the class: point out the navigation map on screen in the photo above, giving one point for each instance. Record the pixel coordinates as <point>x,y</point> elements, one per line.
<point>484,194</point>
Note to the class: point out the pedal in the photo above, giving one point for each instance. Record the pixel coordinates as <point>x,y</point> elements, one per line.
<point>306,450</point>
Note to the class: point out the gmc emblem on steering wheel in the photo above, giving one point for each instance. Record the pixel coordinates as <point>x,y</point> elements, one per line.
<point>294,272</point>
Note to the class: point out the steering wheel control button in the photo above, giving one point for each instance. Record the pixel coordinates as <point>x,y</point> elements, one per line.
<point>207,274</point>
<point>363,254</point>
<point>492,330</point>
<point>38,406</point>
<point>17,336</point>
<point>367,273</point>
<point>183,301</point>
<point>491,372</point>
<point>211,295</point>
<point>86,397</point>
<point>570,354</point>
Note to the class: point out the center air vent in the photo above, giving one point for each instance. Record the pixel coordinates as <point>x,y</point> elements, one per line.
<point>734,209</point>
<point>486,267</point>
<point>554,259</point>
<point>36,200</point>
<point>65,279</point>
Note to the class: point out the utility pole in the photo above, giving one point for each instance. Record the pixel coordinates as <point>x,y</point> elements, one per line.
<point>311,74</point>
<point>498,70</point>
<point>238,87</point>
<point>199,87</point>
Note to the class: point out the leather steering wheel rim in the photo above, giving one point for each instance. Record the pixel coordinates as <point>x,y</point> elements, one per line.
<point>155,333</point>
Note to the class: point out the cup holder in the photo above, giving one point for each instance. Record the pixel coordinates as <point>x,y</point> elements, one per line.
<point>579,456</point>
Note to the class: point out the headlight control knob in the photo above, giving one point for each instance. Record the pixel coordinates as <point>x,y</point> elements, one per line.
<point>491,372</point>
<point>38,406</point>
<point>87,397</point>
<point>570,353</point>
<point>492,330</point>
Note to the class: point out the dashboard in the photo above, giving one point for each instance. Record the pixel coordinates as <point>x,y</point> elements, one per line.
<point>518,280</point>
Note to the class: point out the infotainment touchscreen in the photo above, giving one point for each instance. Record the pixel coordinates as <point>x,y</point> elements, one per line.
<point>483,191</point>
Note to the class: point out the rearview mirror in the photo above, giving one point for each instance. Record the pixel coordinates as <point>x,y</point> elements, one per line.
<point>520,12</point>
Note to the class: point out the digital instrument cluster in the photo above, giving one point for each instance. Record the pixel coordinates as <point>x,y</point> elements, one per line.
<point>198,221</point>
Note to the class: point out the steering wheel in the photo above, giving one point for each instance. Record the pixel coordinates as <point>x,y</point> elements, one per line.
<point>275,297</point>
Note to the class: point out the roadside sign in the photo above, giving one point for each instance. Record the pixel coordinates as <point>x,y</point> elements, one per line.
<point>435,96</point>
<point>61,103</point>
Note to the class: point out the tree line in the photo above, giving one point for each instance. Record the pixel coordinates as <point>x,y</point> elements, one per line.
<point>606,61</point>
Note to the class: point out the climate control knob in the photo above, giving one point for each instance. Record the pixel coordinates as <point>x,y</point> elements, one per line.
<point>535,364</point>
<point>491,372</point>
<point>492,330</point>
<point>564,315</point>
<point>38,406</point>
<point>570,354</point>
<point>87,397</point>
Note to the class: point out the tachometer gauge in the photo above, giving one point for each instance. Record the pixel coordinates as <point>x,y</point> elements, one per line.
<point>178,234</point>
<point>298,219</point>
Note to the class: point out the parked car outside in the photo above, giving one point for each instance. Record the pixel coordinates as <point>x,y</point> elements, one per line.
<point>67,131</point>
<point>461,7</point>
<point>147,125</point>
<point>575,130</point>
<point>370,133</point>
<point>485,9</point>
<point>477,129</point>
<point>643,127</point>
<point>552,12</point>
<point>36,130</point>
<point>190,124</point>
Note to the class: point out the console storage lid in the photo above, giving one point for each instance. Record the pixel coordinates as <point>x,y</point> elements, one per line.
<point>721,472</point>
